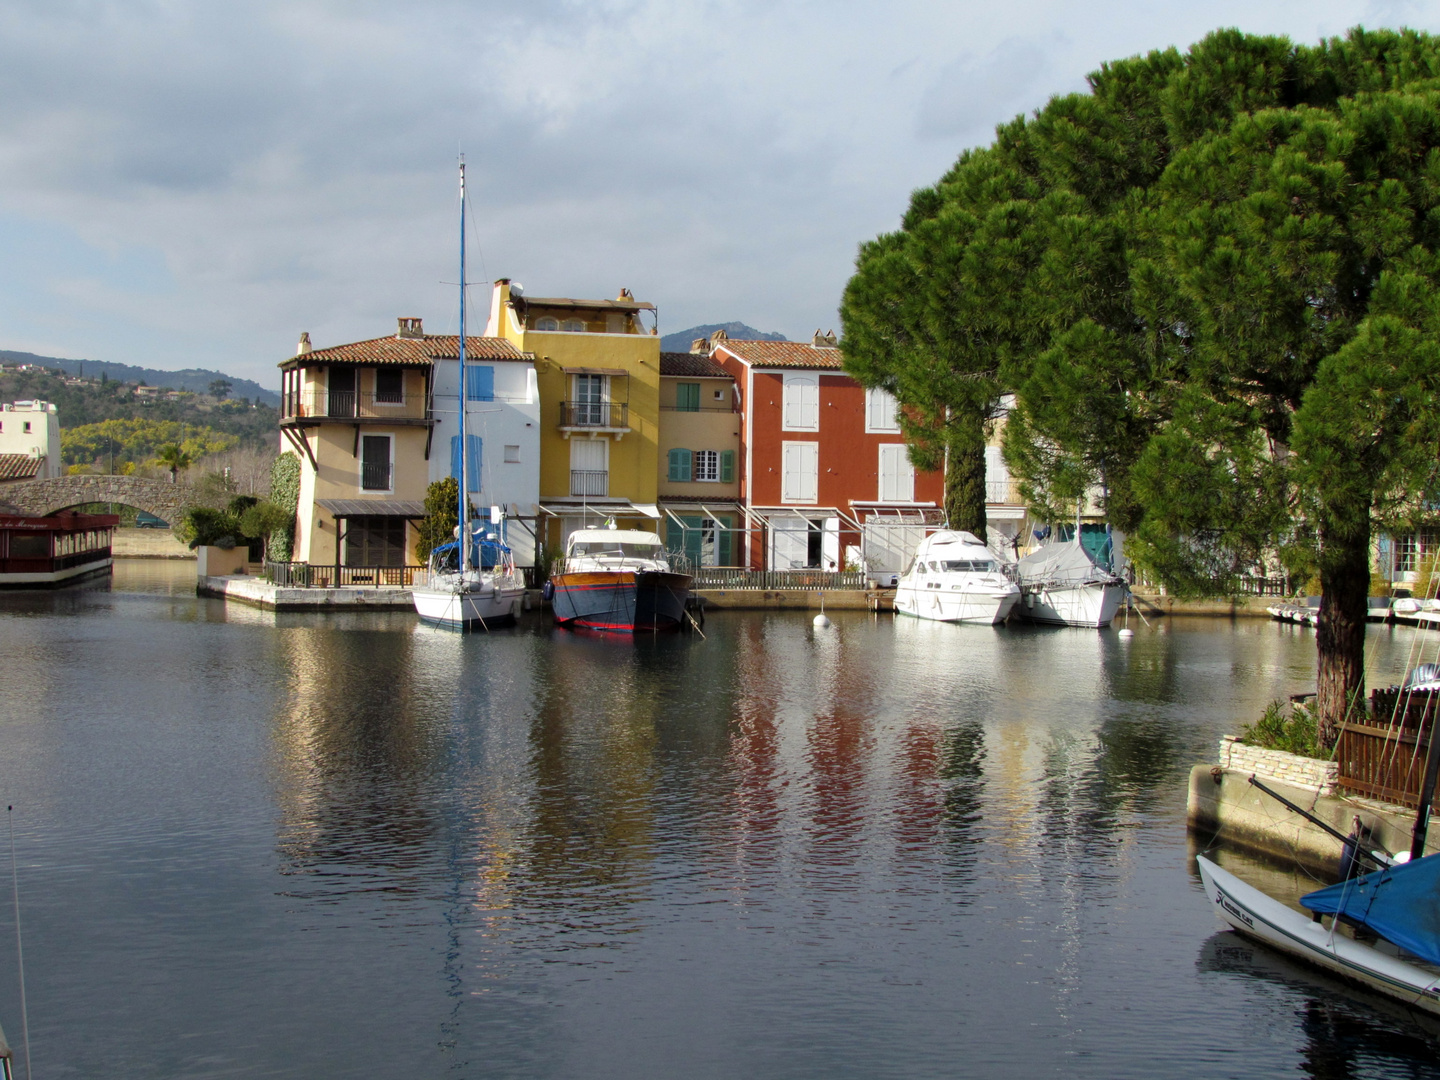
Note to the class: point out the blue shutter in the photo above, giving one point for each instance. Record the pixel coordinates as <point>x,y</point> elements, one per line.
<point>475,459</point>
<point>479,382</point>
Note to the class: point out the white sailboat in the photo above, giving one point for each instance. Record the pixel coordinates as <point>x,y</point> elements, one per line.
<point>1063,585</point>
<point>472,581</point>
<point>955,578</point>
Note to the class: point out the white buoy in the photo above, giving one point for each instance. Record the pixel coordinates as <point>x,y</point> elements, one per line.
<point>1126,634</point>
<point>822,620</point>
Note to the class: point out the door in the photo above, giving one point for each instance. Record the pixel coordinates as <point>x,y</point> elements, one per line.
<point>341,383</point>
<point>375,463</point>
<point>789,543</point>
<point>589,401</point>
<point>590,467</point>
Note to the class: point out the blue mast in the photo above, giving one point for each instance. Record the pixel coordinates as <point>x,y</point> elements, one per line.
<point>466,557</point>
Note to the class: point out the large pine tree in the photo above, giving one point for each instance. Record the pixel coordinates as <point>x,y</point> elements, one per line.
<point>1213,283</point>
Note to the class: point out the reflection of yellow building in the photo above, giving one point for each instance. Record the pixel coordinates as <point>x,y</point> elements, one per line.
<point>598,367</point>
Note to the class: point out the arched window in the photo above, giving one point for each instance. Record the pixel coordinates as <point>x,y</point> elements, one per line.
<point>547,322</point>
<point>574,326</point>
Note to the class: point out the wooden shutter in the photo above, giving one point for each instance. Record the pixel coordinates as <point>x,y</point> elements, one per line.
<point>727,466</point>
<point>801,399</point>
<point>680,459</point>
<point>801,468</point>
<point>479,382</point>
<point>687,397</point>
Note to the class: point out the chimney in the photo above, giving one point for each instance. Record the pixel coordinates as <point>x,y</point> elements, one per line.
<point>826,341</point>
<point>700,346</point>
<point>304,346</point>
<point>719,336</point>
<point>410,328</point>
<point>626,294</point>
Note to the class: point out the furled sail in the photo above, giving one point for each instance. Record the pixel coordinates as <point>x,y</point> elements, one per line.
<point>1401,903</point>
<point>1062,565</point>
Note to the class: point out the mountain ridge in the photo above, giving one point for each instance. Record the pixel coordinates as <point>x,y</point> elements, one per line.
<point>195,379</point>
<point>680,340</point>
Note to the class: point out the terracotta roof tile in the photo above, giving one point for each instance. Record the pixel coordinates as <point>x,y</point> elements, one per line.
<point>791,354</point>
<point>412,352</point>
<point>19,466</point>
<point>695,365</point>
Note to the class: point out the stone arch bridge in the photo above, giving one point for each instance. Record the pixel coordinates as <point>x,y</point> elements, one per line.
<point>40,498</point>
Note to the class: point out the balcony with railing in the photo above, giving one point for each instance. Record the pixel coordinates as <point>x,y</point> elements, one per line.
<point>311,406</point>
<point>375,476</point>
<point>604,416</point>
<point>592,482</point>
<point>1003,493</point>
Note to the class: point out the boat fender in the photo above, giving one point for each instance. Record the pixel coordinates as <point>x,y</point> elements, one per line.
<point>548,592</point>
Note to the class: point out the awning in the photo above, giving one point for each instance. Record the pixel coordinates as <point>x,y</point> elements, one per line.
<point>595,371</point>
<point>345,508</point>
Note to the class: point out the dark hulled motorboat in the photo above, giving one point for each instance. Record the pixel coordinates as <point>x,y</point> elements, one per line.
<point>619,580</point>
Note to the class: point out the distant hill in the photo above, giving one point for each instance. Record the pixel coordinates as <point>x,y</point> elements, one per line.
<point>681,339</point>
<point>194,379</point>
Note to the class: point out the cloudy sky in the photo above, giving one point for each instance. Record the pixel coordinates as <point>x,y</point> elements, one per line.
<point>194,183</point>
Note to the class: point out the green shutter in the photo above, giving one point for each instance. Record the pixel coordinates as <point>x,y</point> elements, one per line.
<point>679,464</point>
<point>724,539</point>
<point>687,397</point>
<point>727,466</point>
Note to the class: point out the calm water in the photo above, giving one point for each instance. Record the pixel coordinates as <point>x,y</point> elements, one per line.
<point>302,846</point>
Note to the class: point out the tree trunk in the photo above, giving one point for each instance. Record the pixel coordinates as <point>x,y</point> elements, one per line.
<point>965,475</point>
<point>1340,635</point>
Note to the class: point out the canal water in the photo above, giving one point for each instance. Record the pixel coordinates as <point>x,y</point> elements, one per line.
<point>336,846</point>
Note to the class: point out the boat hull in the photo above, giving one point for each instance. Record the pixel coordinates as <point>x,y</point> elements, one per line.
<point>477,608</point>
<point>983,605</point>
<point>1093,606</point>
<point>58,578</point>
<point>1255,915</point>
<point>622,601</point>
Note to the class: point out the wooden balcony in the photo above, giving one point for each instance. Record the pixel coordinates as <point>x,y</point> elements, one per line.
<point>307,408</point>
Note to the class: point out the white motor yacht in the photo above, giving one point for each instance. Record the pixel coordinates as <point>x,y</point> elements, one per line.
<point>955,578</point>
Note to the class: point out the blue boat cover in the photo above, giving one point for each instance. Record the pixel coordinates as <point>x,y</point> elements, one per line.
<point>1400,903</point>
<point>485,554</point>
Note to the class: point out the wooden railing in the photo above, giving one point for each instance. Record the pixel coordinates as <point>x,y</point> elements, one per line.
<point>299,575</point>
<point>720,577</point>
<point>1384,756</point>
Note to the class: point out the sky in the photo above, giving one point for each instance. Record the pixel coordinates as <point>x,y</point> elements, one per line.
<point>192,184</point>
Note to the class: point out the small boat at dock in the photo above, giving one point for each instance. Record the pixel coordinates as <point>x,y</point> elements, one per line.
<point>1062,584</point>
<point>620,580</point>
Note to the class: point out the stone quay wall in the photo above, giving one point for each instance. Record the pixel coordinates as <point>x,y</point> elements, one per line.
<point>1304,772</point>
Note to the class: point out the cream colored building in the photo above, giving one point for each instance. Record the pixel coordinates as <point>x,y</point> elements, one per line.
<point>699,459</point>
<point>361,418</point>
<point>30,441</point>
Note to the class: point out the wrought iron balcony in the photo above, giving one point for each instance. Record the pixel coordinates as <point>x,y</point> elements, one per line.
<point>589,482</point>
<point>595,415</point>
<point>375,475</point>
<point>312,406</point>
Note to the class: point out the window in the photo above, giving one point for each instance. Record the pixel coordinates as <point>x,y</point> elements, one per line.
<point>372,540</point>
<point>26,428</point>
<point>574,326</point>
<point>590,394</point>
<point>687,397</point>
<point>680,461</point>
<point>707,466</point>
<point>801,403</point>
<point>719,395</point>
<point>881,410</point>
<point>547,323</point>
<point>479,382</point>
<point>590,467</point>
<point>476,446</point>
<point>375,463</point>
<point>389,386</point>
<point>512,454</point>
<point>801,471</point>
<point>897,475</point>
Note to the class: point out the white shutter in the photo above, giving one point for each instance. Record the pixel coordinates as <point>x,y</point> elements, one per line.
<point>897,475</point>
<point>880,410</point>
<point>801,467</point>
<point>997,476</point>
<point>801,403</point>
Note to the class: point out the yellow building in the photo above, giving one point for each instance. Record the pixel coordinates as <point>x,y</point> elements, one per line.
<point>699,459</point>
<point>598,368</point>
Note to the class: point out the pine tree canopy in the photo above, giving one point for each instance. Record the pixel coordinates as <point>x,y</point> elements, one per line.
<point>1212,283</point>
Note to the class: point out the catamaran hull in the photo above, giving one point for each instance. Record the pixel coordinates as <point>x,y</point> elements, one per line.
<point>624,601</point>
<point>495,606</point>
<point>1257,916</point>
<point>1092,606</point>
<point>943,605</point>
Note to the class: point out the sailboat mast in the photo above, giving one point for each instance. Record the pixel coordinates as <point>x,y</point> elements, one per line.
<point>464,431</point>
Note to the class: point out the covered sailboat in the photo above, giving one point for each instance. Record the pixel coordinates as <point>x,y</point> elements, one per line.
<point>1063,584</point>
<point>471,582</point>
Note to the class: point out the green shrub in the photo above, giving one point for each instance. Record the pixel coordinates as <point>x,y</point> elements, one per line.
<point>442,515</point>
<point>285,494</point>
<point>1296,734</point>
